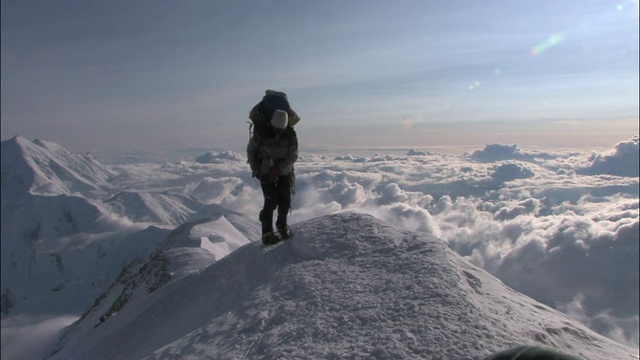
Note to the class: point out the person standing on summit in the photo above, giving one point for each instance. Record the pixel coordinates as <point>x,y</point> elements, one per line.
<point>271,153</point>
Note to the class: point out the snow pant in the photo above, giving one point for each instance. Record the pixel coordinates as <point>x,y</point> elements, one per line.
<point>277,194</point>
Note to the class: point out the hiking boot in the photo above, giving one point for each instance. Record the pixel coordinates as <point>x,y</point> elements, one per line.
<point>266,220</point>
<point>284,231</point>
<point>270,238</point>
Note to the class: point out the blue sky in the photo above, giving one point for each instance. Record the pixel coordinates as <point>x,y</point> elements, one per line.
<point>165,74</point>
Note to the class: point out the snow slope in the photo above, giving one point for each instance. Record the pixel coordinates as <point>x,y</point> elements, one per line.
<point>167,208</point>
<point>347,286</point>
<point>44,168</point>
<point>65,239</point>
<point>57,237</point>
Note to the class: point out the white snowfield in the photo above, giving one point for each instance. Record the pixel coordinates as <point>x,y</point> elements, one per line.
<point>347,286</point>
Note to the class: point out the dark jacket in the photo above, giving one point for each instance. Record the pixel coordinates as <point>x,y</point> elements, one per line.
<point>273,154</point>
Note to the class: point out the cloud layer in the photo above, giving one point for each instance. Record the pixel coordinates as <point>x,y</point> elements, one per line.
<point>561,227</point>
<point>622,161</point>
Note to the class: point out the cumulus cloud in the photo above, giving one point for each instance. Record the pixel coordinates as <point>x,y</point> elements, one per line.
<point>217,157</point>
<point>413,218</point>
<point>500,152</point>
<point>391,194</point>
<point>330,187</point>
<point>509,211</point>
<point>508,172</point>
<point>415,152</point>
<point>624,160</point>
<point>623,330</point>
<point>495,152</point>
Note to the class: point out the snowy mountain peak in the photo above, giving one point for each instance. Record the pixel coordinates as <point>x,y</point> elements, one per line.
<point>347,286</point>
<point>53,147</point>
<point>44,168</point>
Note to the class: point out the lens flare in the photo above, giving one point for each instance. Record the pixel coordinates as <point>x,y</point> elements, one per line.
<point>550,42</point>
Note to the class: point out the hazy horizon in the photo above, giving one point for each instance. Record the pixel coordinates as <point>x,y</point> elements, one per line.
<point>150,76</point>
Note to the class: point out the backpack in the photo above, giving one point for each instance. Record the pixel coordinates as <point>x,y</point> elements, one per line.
<point>272,101</point>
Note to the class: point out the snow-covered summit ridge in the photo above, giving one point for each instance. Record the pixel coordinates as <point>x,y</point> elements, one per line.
<point>188,249</point>
<point>347,286</point>
<point>44,168</point>
<point>217,236</point>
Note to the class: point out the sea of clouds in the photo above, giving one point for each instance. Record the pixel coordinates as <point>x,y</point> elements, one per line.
<point>559,226</point>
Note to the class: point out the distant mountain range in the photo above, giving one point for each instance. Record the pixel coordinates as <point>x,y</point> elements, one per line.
<point>62,244</point>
